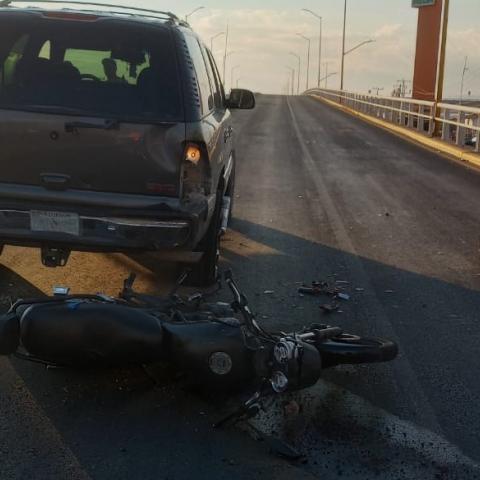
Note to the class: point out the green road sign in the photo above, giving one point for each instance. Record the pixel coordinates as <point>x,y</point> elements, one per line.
<point>423,3</point>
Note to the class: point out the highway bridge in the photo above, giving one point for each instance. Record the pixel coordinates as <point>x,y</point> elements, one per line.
<point>333,198</point>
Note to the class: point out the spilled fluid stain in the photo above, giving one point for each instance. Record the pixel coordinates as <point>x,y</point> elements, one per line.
<point>344,436</point>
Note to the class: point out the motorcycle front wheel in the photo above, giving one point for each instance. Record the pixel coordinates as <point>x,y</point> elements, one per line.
<point>353,350</point>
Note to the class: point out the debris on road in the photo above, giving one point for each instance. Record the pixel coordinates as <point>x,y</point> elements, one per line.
<point>344,296</point>
<point>291,408</point>
<point>268,292</point>
<point>319,288</point>
<point>330,307</point>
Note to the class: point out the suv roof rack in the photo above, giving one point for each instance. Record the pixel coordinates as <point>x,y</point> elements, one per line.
<point>156,13</point>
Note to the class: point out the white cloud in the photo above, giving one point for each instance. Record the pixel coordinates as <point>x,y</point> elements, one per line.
<point>388,30</point>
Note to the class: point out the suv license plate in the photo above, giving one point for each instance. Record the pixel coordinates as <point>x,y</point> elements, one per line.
<point>58,222</point>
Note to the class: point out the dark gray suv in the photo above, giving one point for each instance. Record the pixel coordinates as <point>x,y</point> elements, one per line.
<point>115,133</point>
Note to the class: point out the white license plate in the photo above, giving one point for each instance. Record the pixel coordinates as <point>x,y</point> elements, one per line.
<point>58,222</point>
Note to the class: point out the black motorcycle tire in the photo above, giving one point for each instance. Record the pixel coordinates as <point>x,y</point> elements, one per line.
<point>353,350</point>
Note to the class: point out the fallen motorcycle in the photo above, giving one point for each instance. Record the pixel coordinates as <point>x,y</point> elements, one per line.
<point>217,345</point>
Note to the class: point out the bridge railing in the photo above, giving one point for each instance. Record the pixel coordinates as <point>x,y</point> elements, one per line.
<point>459,124</point>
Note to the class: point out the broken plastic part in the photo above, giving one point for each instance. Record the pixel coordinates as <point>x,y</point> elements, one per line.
<point>61,291</point>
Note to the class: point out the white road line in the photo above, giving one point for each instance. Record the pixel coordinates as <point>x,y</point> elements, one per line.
<point>43,436</point>
<point>406,380</point>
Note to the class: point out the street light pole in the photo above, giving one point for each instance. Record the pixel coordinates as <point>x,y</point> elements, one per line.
<point>343,45</point>
<point>233,71</point>
<point>344,53</point>
<point>309,40</point>
<point>225,56</point>
<point>213,38</point>
<point>465,69</point>
<point>299,69</point>
<point>358,46</point>
<point>319,43</point>
<point>292,70</point>
<point>327,76</point>
<point>192,12</point>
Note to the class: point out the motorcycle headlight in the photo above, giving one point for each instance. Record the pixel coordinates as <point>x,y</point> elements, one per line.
<point>284,351</point>
<point>279,382</point>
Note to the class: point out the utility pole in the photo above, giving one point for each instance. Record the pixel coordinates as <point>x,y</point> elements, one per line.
<point>378,89</point>
<point>465,69</point>
<point>343,45</point>
<point>403,86</point>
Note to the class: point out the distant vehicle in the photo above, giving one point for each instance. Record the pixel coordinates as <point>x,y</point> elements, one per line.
<point>116,134</point>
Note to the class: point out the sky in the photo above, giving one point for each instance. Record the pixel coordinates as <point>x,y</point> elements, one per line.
<point>263,32</point>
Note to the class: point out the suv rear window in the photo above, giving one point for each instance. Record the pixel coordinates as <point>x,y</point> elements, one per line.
<point>103,68</point>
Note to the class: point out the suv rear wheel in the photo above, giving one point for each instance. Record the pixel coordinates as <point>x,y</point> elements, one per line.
<point>205,272</point>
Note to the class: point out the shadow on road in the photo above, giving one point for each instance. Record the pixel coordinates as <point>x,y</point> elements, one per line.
<point>122,425</point>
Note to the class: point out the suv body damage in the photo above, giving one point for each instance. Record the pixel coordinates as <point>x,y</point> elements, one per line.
<point>112,181</point>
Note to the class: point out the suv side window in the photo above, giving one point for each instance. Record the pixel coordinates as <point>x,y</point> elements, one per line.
<point>206,93</point>
<point>217,84</point>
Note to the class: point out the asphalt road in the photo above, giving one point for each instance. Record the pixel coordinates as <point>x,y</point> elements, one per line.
<point>320,196</point>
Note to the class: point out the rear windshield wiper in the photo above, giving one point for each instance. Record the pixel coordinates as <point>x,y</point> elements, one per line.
<point>110,124</point>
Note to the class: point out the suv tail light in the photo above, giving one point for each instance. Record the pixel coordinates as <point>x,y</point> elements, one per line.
<point>196,174</point>
<point>193,154</point>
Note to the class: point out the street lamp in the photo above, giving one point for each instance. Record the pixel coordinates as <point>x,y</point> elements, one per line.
<point>292,70</point>
<point>344,53</point>
<point>225,58</point>
<point>233,71</point>
<point>326,77</point>
<point>192,12</point>
<point>213,38</point>
<point>238,81</point>
<point>309,41</point>
<point>358,46</point>
<point>299,68</point>
<point>319,44</point>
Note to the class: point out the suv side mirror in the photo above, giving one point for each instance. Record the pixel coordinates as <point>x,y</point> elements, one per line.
<point>241,99</point>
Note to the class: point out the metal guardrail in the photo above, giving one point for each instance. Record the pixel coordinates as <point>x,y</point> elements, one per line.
<point>460,125</point>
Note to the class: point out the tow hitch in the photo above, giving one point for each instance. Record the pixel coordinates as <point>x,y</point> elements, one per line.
<point>55,257</point>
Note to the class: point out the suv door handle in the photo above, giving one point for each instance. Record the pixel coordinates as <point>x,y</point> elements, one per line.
<point>55,181</point>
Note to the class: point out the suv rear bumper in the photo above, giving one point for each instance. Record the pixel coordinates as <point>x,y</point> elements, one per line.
<point>103,221</point>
